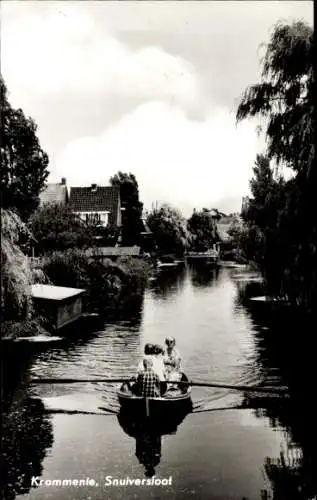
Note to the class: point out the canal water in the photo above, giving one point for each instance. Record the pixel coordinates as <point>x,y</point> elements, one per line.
<point>231,447</point>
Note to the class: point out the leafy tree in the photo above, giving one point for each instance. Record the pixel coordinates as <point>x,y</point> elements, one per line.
<point>132,214</point>
<point>56,227</point>
<point>169,230</point>
<point>284,97</point>
<point>203,230</point>
<point>259,236</point>
<point>23,162</point>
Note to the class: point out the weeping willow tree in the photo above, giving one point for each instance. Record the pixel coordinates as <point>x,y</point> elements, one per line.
<point>16,274</point>
<point>284,98</point>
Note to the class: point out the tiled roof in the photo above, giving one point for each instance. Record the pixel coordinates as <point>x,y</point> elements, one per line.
<point>100,199</point>
<point>114,251</point>
<point>54,193</point>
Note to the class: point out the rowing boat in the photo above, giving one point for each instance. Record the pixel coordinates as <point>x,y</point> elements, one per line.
<point>174,399</point>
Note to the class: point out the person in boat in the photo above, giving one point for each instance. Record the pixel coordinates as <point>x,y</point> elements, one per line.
<point>172,357</point>
<point>160,366</point>
<point>172,360</point>
<point>158,357</point>
<point>148,382</point>
<point>155,354</point>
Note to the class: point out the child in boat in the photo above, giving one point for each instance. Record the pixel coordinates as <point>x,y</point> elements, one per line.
<point>148,382</point>
<point>172,357</point>
<point>160,366</point>
<point>155,354</point>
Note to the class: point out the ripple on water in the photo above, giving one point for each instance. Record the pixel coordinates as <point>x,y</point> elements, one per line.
<point>216,338</point>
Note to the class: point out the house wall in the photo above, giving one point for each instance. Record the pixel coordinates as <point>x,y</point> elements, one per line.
<point>68,312</point>
<point>101,218</point>
<point>58,313</point>
<point>47,309</point>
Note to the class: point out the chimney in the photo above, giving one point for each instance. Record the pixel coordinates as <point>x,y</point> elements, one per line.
<point>94,188</point>
<point>63,181</point>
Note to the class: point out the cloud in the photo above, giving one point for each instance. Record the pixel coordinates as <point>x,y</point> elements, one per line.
<point>104,106</point>
<point>59,48</point>
<point>175,159</point>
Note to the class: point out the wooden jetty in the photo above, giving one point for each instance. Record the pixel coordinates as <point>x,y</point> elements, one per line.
<point>59,304</point>
<point>211,256</point>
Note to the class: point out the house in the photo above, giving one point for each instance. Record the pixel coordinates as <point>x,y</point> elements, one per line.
<point>99,205</point>
<point>55,193</point>
<point>58,304</point>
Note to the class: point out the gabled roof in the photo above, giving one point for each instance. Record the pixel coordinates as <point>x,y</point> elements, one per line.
<point>96,199</point>
<point>54,193</point>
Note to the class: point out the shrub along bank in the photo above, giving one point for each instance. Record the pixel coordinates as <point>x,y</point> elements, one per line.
<point>107,283</point>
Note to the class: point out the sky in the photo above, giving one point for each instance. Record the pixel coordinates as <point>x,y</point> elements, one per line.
<point>150,88</point>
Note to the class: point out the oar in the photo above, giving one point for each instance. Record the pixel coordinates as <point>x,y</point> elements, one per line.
<point>78,380</point>
<point>245,388</point>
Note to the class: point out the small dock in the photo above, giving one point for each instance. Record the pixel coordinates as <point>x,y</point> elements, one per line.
<point>61,305</point>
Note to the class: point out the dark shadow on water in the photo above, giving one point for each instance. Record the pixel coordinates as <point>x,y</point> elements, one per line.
<point>129,318</point>
<point>168,283</point>
<point>129,312</point>
<point>202,274</point>
<point>16,359</point>
<point>286,356</point>
<point>148,432</point>
<point>27,434</point>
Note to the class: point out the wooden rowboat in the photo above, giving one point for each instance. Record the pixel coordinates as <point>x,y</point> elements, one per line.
<point>176,399</point>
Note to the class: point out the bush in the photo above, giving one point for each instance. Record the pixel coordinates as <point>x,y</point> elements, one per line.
<point>27,328</point>
<point>56,227</point>
<point>106,282</point>
<point>136,272</point>
<point>67,268</point>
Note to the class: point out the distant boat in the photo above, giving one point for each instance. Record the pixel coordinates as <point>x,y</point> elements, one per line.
<point>211,256</point>
<point>166,265</point>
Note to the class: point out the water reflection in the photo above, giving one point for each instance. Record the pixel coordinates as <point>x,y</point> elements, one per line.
<point>168,284</point>
<point>27,434</point>
<point>129,313</point>
<point>148,432</point>
<point>284,351</point>
<point>222,337</point>
<point>202,274</point>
